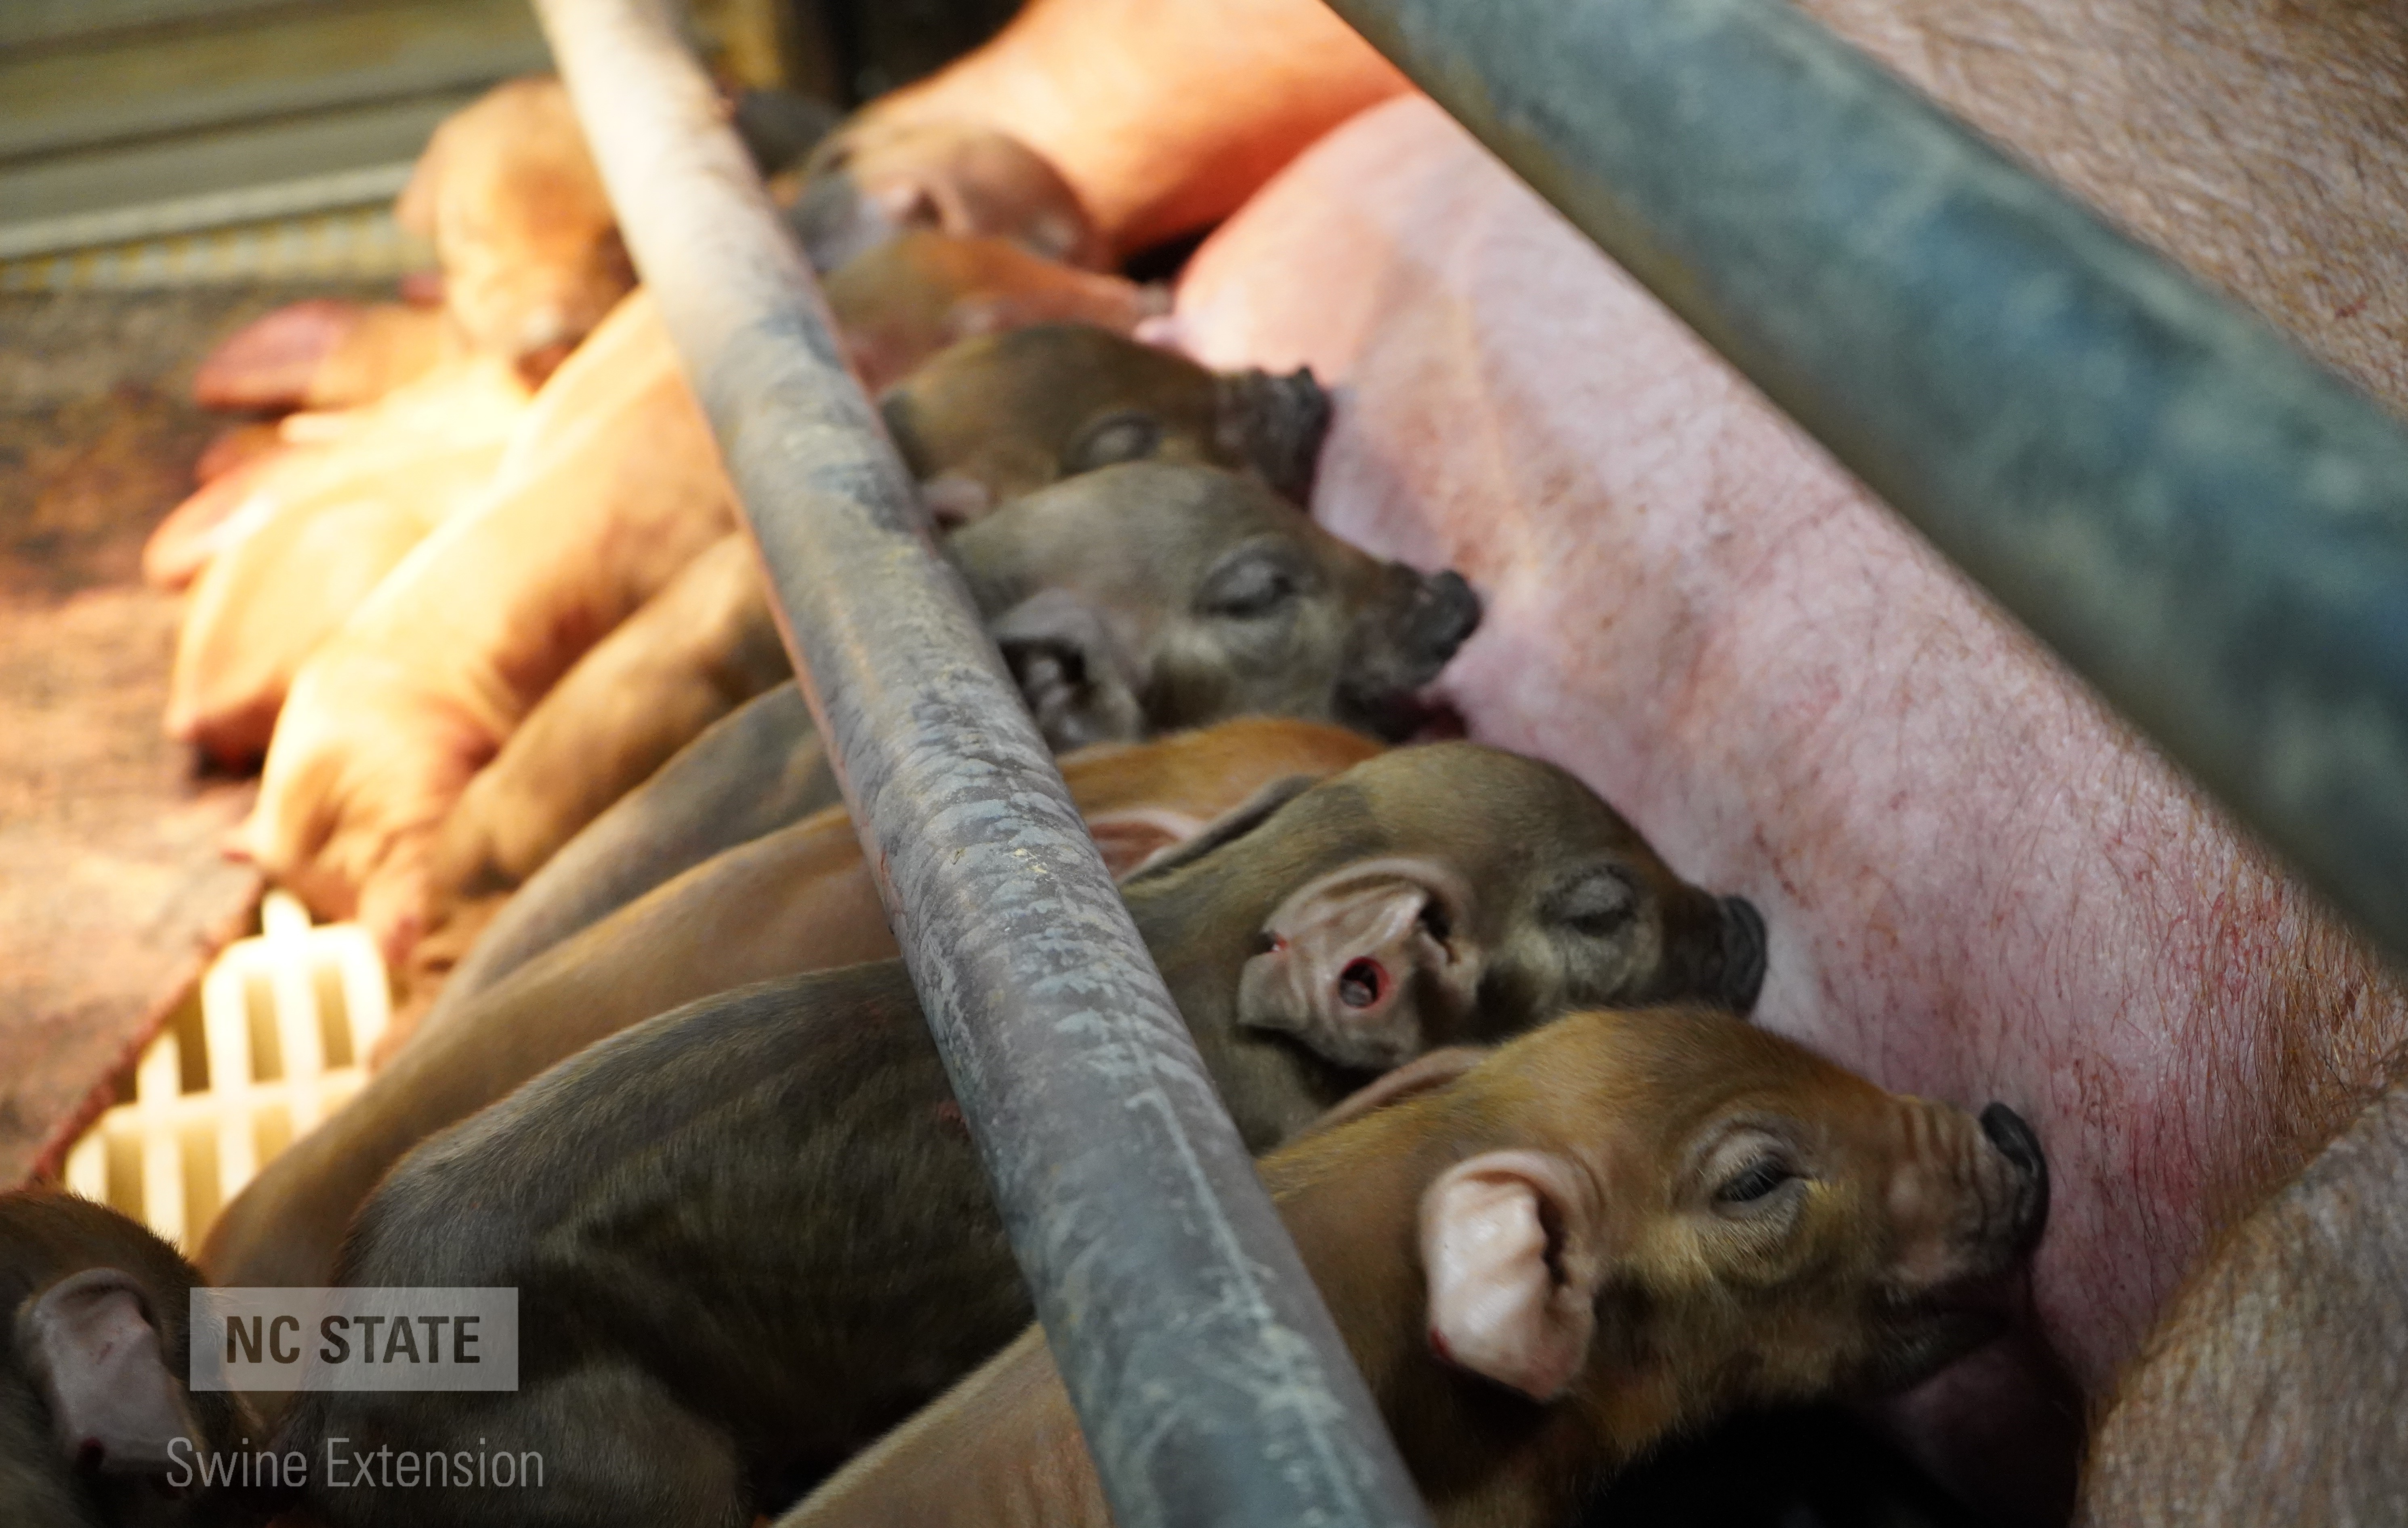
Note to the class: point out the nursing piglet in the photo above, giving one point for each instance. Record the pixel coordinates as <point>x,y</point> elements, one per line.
<point>868,183</point>
<point>530,254</point>
<point>1620,1227</point>
<point>794,900</point>
<point>994,418</point>
<point>901,303</point>
<point>989,420</point>
<point>750,1235</point>
<point>1130,600</point>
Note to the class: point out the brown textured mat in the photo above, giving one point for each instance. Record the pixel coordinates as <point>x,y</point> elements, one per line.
<point>112,894</point>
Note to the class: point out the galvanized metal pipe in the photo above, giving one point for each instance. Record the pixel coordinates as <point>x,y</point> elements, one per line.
<point>1209,1381</point>
<point>2209,527</point>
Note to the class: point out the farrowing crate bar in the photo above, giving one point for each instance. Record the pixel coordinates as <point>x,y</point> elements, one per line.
<point>1208,1375</point>
<point>2210,527</point>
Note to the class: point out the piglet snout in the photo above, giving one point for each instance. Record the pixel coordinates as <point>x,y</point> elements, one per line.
<point>1446,613</point>
<point>1400,647</point>
<point>2006,1130</point>
<point>1742,953</point>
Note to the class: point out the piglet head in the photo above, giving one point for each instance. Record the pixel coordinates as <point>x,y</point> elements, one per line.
<point>871,180</point>
<point>1404,635</point>
<point>1010,412</point>
<point>530,248</point>
<point>1748,1222</point>
<point>1274,424</point>
<point>1223,598</point>
<point>1369,966</point>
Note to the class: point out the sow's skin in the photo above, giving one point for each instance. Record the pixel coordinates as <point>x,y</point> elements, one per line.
<point>1130,600</point>
<point>1618,1229</point>
<point>97,1429</point>
<point>2275,1389</point>
<point>990,419</point>
<point>794,900</point>
<point>750,1234</point>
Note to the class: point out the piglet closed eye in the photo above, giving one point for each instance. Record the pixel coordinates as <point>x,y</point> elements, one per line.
<point>1364,963</point>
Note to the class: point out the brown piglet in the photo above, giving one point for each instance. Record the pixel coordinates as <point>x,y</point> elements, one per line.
<point>800,898</point>
<point>1619,1226</point>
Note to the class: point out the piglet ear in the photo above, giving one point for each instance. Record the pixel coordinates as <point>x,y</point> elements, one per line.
<point>1227,828</point>
<point>1509,1243</point>
<point>955,500</point>
<point>1070,670</point>
<point>1128,840</point>
<point>1424,1074</point>
<point>1368,964</point>
<point>115,1405</point>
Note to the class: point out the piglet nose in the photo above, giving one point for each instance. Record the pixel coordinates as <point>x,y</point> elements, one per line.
<point>1743,944</point>
<point>1449,613</point>
<point>2006,1130</point>
<point>1441,616</point>
<point>2014,1140</point>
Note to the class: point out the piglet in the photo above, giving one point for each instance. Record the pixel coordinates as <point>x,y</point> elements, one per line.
<point>871,181</point>
<point>317,529</point>
<point>97,1429</point>
<point>1620,1227</point>
<point>751,1234</point>
<point>988,421</point>
<point>325,353</point>
<point>904,300</point>
<point>801,899</point>
<point>530,254</point>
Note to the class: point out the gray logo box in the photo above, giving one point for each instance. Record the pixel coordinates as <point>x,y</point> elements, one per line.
<point>428,1339</point>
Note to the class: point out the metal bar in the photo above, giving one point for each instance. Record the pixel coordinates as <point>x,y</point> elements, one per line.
<point>2210,527</point>
<point>1210,1379</point>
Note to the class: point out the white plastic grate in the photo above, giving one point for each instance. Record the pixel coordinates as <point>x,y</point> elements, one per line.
<point>284,1023</point>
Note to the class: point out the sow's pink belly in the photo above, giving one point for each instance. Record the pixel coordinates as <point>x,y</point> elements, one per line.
<point>1980,884</point>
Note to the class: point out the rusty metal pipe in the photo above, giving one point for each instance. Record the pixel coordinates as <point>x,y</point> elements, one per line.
<point>1212,1383</point>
